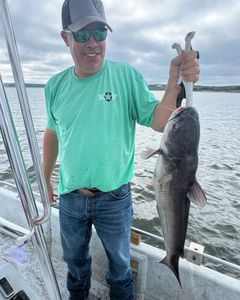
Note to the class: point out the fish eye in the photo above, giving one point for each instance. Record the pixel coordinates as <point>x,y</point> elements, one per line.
<point>175,126</point>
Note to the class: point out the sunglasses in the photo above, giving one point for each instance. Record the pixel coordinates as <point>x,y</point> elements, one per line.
<point>83,35</point>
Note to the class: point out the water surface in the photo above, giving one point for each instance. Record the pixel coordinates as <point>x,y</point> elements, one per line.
<point>217,225</point>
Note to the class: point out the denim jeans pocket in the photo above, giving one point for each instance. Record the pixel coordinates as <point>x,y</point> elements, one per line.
<point>122,192</point>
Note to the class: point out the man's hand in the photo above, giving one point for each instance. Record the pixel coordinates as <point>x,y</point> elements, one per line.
<point>50,153</point>
<point>185,64</point>
<point>52,196</point>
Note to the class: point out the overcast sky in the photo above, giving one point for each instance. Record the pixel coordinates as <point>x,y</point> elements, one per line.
<point>144,31</point>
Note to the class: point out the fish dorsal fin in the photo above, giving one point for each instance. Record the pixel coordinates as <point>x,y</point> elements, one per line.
<point>149,152</point>
<point>197,195</point>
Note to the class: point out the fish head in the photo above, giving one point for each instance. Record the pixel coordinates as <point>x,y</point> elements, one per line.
<point>182,132</point>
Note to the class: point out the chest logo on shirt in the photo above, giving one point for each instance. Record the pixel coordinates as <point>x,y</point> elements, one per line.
<point>108,97</point>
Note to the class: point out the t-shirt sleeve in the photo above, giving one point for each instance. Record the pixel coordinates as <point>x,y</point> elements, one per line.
<point>49,99</point>
<point>144,102</point>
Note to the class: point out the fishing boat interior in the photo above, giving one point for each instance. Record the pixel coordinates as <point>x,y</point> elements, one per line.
<point>31,263</point>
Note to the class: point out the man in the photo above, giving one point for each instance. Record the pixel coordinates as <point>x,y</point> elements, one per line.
<point>93,108</point>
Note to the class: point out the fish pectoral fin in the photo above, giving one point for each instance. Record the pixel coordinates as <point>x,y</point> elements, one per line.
<point>149,152</point>
<point>197,195</point>
<point>166,178</point>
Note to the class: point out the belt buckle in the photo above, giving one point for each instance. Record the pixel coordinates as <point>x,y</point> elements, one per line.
<point>86,192</point>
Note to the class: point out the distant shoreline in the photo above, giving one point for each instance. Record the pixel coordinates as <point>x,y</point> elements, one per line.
<point>160,87</point>
<point>202,88</point>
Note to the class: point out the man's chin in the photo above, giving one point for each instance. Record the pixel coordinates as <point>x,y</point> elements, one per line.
<point>89,71</point>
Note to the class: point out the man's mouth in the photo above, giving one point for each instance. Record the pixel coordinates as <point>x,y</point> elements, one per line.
<point>91,54</point>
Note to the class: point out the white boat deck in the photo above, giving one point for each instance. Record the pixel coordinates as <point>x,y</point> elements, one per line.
<point>32,274</point>
<point>152,281</point>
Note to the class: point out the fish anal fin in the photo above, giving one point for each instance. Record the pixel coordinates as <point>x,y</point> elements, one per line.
<point>197,195</point>
<point>149,152</point>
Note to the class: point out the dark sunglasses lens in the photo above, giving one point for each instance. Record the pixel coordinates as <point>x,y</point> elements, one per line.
<point>100,34</point>
<point>81,36</point>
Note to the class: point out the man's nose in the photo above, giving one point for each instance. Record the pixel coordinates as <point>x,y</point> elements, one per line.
<point>92,41</point>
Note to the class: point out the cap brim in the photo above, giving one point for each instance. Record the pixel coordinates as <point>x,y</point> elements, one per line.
<point>85,21</point>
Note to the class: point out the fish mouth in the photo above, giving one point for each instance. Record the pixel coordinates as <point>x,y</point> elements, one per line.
<point>190,111</point>
<point>176,113</point>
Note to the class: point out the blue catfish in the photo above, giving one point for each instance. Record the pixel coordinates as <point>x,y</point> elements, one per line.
<point>175,181</point>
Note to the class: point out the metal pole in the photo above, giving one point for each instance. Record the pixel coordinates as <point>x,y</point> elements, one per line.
<point>29,206</point>
<point>26,112</point>
<point>17,162</point>
<point>11,229</point>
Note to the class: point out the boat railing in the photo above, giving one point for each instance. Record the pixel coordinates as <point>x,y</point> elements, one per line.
<point>16,160</point>
<point>25,109</point>
<point>209,257</point>
<point>186,249</point>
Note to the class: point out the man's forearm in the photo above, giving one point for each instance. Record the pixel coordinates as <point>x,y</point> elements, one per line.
<point>165,107</point>
<point>50,153</point>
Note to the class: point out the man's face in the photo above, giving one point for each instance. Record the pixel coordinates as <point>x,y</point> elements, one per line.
<point>88,57</point>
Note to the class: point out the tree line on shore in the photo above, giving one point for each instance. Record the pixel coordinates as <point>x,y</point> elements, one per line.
<point>161,87</point>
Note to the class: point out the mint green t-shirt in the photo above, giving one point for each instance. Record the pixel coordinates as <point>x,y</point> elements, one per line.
<point>95,120</point>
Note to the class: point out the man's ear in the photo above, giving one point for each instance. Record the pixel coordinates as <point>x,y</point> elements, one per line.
<point>65,37</point>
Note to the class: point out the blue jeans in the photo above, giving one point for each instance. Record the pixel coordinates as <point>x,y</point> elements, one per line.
<point>111,214</point>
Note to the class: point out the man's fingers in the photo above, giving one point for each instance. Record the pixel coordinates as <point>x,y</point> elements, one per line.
<point>190,67</point>
<point>54,198</point>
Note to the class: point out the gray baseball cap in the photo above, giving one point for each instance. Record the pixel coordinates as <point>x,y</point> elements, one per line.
<point>76,14</point>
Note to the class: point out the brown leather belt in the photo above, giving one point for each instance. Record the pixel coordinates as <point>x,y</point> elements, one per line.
<point>89,192</point>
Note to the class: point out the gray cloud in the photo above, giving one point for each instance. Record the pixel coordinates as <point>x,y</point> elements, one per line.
<point>143,34</point>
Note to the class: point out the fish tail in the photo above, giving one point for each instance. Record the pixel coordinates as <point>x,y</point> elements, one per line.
<point>172,264</point>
